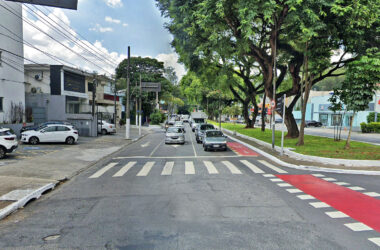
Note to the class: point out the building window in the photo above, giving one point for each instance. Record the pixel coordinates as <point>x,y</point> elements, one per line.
<point>90,86</point>
<point>336,120</point>
<point>324,119</point>
<point>1,104</point>
<point>72,105</point>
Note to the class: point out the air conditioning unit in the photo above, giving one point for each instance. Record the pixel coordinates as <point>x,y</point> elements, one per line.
<point>39,77</point>
<point>35,90</point>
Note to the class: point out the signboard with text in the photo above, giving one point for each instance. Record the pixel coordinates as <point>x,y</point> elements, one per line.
<point>151,86</point>
<point>66,4</point>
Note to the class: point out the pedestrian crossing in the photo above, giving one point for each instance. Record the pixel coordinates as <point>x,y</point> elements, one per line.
<point>167,168</point>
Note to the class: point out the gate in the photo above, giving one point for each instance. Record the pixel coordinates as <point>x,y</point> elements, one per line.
<point>39,115</point>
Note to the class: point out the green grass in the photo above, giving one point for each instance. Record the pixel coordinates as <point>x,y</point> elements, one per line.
<point>314,145</point>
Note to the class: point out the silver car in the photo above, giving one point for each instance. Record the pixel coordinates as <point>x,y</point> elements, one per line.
<point>175,135</point>
<point>214,140</point>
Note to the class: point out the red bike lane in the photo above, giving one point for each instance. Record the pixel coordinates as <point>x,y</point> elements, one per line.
<point>241,149</point>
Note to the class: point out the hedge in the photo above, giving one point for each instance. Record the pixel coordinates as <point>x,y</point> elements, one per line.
<point>372,127</point>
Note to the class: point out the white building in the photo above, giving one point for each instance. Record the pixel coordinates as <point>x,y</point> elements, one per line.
<point>12,90</point>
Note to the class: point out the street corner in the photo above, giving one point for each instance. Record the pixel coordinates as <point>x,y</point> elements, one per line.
<point>240,149</point>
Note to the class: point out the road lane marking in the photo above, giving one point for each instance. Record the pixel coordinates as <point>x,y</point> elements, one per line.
<point>358,227</point>
<point>146,169</point>
<point>233,169</point>
<point>340,183</point>
<point>276,180</point>
<point>252,167</point>
<point>192,143</point>
<point>189,167</point>
<point>318,175</point>
<point>336,214</point>
<point>145,144</point>
<point>293,190</point>
<point>319,204</point>
<point>375,240</point>
<point>268,175</point>
<point>305,197</point>
<point>284,185</point>
<point>103,170</point>
<point>372,194</point>
<point>278,170</point>
<point>329,179</point>
<point>155,149</point>
<point>168,168</point>
<point>177,157</point>
<point>124,169</point>
<point>210,167</point>
<point>356,188</point>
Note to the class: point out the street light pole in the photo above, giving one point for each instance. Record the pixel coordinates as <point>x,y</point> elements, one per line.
<point>127,111</point>
<point>114,98</point>
<point>140,108</point>
<point>274,85</point>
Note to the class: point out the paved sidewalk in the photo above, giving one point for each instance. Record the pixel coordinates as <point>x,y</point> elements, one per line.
<point>27,179</point>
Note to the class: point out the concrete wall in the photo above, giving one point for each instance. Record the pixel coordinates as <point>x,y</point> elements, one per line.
<point>43,85</point>
<point>12,87</point>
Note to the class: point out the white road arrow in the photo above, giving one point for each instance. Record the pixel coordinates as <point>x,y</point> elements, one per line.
<point>145,144</point>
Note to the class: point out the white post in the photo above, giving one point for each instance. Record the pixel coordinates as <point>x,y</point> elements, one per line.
<point>283,126</point>
<point>140,108</point>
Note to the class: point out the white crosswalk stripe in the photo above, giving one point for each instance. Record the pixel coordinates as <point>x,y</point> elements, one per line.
<point>168,168</point>
<point>233,169</point>
<point>210,167</point>
<point>103,170</point>
<point>146,169</point>
<point>124,169</point>
<point>274,168</point>
<point>252,167</point>
<point>189,167</point>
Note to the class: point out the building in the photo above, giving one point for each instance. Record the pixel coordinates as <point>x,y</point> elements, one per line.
<point>12,90</point>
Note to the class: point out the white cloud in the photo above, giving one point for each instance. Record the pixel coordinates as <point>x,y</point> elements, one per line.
<point>111,20</point>
<point>99,28</point>
<point>72,56</point>
<point>172,60</point>
<point>114,3</point>
<point>125,24</point>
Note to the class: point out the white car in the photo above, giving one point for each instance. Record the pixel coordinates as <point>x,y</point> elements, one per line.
<point>51,133</point>
<point>106,128</point>
<point>8,142</point>
<point>179,124</point>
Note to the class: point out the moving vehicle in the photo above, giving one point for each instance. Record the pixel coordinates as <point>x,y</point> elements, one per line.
<point>175,135</point>
<point>106,128</point>
<point>185,118</point>
<point>214,140</point>
<point>197,118</point>
<point>51,133</point>
<point>199,133</point>
<point>180,124</point>
<point>313,124</point>
<point>8,142</point>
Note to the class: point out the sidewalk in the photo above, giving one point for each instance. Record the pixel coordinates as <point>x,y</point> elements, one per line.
<point>28,179</point>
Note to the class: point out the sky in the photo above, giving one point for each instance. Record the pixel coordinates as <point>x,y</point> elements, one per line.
<point>109,25</point>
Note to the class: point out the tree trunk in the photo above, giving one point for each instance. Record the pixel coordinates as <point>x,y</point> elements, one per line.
<point>305,80</point>
<point>347,146</point>
<point>246,115</point>
<point>291,124</point>
<point>263,113</point>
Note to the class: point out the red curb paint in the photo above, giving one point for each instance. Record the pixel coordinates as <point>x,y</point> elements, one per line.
<point>241,149</point>
<point>358,206</point>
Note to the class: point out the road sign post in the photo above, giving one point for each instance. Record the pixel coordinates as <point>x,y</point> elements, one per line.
<point>283,124</point>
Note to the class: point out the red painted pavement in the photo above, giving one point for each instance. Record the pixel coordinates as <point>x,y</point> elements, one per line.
<point>358,206</point>
<point>241,149</point>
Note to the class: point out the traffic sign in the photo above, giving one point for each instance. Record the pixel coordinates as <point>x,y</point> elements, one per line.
<point>66,4</point>
<point>273,104</point>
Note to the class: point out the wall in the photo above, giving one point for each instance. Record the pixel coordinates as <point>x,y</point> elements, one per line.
<point>43,85</point>
<point>12,87</point>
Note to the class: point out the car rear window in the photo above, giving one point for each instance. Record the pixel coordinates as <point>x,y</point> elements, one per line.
<point>174,130</point>
<point>207,126</point>
<point>214,134</point>
<point>7,132</point>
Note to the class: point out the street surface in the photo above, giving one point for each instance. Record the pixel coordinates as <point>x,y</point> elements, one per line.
<point>156,196</point>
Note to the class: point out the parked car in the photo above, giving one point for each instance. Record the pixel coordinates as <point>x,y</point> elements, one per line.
<point>175,135</point>
<point>106,128</point>
<point>214,140</point>
<point>8,142</point>
<point>313,124</point>
<point>51,133</point>
<point>35,127</point>
<point>278,120</point>
<point>201,131</point>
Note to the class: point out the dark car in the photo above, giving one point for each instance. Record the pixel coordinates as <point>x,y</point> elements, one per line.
<point>199,133</point>
<point>35,127</point>
<point>313,124</point>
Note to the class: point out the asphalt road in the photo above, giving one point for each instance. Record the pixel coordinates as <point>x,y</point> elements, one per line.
<point>157,196</point>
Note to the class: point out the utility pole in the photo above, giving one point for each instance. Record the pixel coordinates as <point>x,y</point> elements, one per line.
<point>274,84</point>
<point>140,107</point>
<point>127,111</point>
<point>114,98</point>
<point>137,107</point>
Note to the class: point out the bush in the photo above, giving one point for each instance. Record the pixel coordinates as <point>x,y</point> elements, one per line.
<point>372,127</point>
<point>156,118</point>
<point>371,117</point>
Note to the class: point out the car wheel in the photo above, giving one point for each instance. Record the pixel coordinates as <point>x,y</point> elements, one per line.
<point>2,153</point>
<point>70,140</point>
<point>104,132</point>
<point>205,149</point>
<point>33,140</point>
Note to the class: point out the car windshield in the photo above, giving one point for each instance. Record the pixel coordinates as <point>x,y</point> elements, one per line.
<point>174,130</point>
<point>6,132</point>
<point>214,134</point>
<point>207,127</point>
<point>197,120</point>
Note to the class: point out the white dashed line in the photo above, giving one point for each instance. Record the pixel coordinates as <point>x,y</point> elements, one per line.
<point>252,167</point>
<point>189,167</point>
<point>318,175</point>
<point>168,168</point>
<point>284,184</point>
<point>329,179</point>
<point>294,190</point>
<point>268,175</point>
<point>278,170</point>
<point>358,227</point>
<point>356,188</point>
<point>210,167</point>
<point>276,180</point>
<point>305,197</point>
<point>103,170</point>
<point>146,169</point>
<point>342,183</point>
<point>336,214</point>
<point>233,169</point>
<point>319,204</point>
<point>124,169</point>
<point>372,194</point>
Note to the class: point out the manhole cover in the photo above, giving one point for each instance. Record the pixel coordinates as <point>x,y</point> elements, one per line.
<point>51,237</point>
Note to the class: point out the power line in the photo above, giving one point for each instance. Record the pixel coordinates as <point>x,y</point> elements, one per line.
<point>10,65</point>
<point>19,56</point>
<point>27,21</point>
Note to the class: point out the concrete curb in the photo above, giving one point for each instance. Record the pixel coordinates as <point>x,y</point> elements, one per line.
<point>298,156</point>
<point>302,167</point>
<point>21,202</point>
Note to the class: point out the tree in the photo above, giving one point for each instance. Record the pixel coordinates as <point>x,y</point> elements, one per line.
<point>360,85</point>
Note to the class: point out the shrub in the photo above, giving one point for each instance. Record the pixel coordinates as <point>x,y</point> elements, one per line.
<point>372,127</point>
<point>371,117</point>
<point>156,118</point>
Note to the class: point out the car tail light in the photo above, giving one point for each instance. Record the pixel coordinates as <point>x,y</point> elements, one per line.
<point>75,132</point>
<point>9,138</point>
